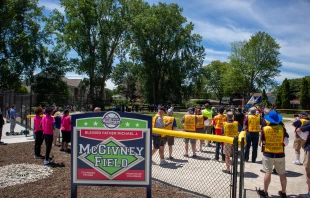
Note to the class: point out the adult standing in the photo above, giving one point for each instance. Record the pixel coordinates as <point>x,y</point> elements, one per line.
<point>218,123</point>
<point>231,128</point>
<point>189,122</point>
<point>48,132</point>
<point>273,138</point>
<point>200,126</point>
<point>252,126</point>
<point>158,142</point>
<point>207,113</point>
<point>170,139</point>
<point>303,133</point>
<point>12,119</point>
<point>298,142</point>
<point>38,133</point>
<point>239,116</point>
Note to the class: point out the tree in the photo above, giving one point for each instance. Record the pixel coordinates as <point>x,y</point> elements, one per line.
<point>254,63</point>
<point>305,97</point>
<point>214,74</point>
<point>278,102</point>
<point>265,100</point>
<point>22,48</point>
<point>95,31</point>
<point>166,49</point>
<point>285,94</point>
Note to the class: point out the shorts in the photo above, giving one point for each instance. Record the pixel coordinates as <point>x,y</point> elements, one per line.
<point>193,141</point>
<point>306,161</point>
<point>228,149</point>
<point>208,129</point>
<point>66,136</point>
<point>158,141</point>
<point>278,163</point>
<point>169,139</point>
<point>56,133</point>
<point>298,143</point>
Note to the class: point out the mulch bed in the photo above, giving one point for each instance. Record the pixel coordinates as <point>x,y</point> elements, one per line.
<point>58,184</point>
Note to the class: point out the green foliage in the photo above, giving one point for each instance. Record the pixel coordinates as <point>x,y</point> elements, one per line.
<point>214,75</point>
<point>278,102</point>
<point>286,94</point>
<point>22,89</point>
<point>254,64</point>
<point>167,49</point>
<point>265,100</point>
<point>22,42</point>
<point>305,97</point>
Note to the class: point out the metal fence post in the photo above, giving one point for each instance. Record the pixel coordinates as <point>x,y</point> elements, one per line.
<point>241,175</point>
<point>235,168</point>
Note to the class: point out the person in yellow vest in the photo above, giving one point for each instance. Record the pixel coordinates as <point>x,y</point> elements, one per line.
<point>189,122</point>
<point>231,128</point>
<point>218,122</point>
<point>207,114</point>
<point>252,126</point>
<point>298,142</point>
<point>158,142</point>
<point>200,126</point>
<point>170,139</point>
<point>274,138</point>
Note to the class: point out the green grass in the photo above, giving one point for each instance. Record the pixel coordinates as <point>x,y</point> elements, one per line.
<point>287,115</point>
<point>177,116</point>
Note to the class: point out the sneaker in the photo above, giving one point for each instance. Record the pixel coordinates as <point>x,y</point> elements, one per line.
<point>185,155</point>
<point>153,163</point>
<point>297,162</point>
<point>170,158</point>
<point>262,193</point>
<point>163,162</point>
<point>281,194</point>
<point>46,162</point>
<point>215,159</point>
<point>200,150</point>
<point>194,156</point>
<point>37,157</point>
<point>68,151</point>
<point>62,150</point>
<point>226,171</point>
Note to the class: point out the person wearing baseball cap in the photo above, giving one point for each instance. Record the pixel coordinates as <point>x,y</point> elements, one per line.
<point>170,139</point>
<point>299,142</point>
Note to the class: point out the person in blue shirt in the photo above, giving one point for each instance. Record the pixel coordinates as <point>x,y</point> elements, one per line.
<point>12,119</point>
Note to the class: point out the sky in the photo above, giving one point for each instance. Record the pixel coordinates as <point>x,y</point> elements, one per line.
<point>221,22</point>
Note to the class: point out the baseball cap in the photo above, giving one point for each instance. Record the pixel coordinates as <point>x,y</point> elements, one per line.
<point>170,111</point>
<point>304,113</point>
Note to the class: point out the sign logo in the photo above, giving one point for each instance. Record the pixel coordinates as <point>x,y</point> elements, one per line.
<point>111,120</point>
<point>110,157</point>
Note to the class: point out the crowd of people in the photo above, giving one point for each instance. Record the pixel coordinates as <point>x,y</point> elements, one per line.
<point>263,127</point>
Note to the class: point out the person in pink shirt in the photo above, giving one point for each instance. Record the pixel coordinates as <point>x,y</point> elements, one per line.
<point>65,131</point>
<point>48,131</point>
<point>38,133</point>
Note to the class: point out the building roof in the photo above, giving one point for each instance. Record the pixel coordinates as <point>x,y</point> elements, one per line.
<point>72,82</point>
<point>260,94</point>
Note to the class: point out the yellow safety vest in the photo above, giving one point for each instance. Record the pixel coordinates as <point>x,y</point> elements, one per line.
<point>219,120</point>
<point>168,119</point>
<point>254,123</point>
<point>199,123</point>
<point>190,123</point>
<point>154,120</point>
<point>274,139</point>
<point>267,122</point>
<point>231,129</point>
<point>303,121</point>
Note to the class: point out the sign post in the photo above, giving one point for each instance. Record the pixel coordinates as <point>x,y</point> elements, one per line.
<point>111,149</point>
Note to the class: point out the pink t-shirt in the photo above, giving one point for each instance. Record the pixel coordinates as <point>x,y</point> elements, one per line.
<point>47,124</point>
<point>37,123</point>
<point>65,123</point>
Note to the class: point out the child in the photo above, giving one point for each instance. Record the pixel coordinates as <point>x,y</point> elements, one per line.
<point>65,131</point>
<point>57,118</point>
<point>38,133</point>
<point>48,131</point>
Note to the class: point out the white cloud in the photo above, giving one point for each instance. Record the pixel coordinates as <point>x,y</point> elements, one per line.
<point>288,75</point>
<point>51,5</point>
<point>294,66</point>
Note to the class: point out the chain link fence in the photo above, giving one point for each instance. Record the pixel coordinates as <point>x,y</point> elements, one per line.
<point>202,175</point>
